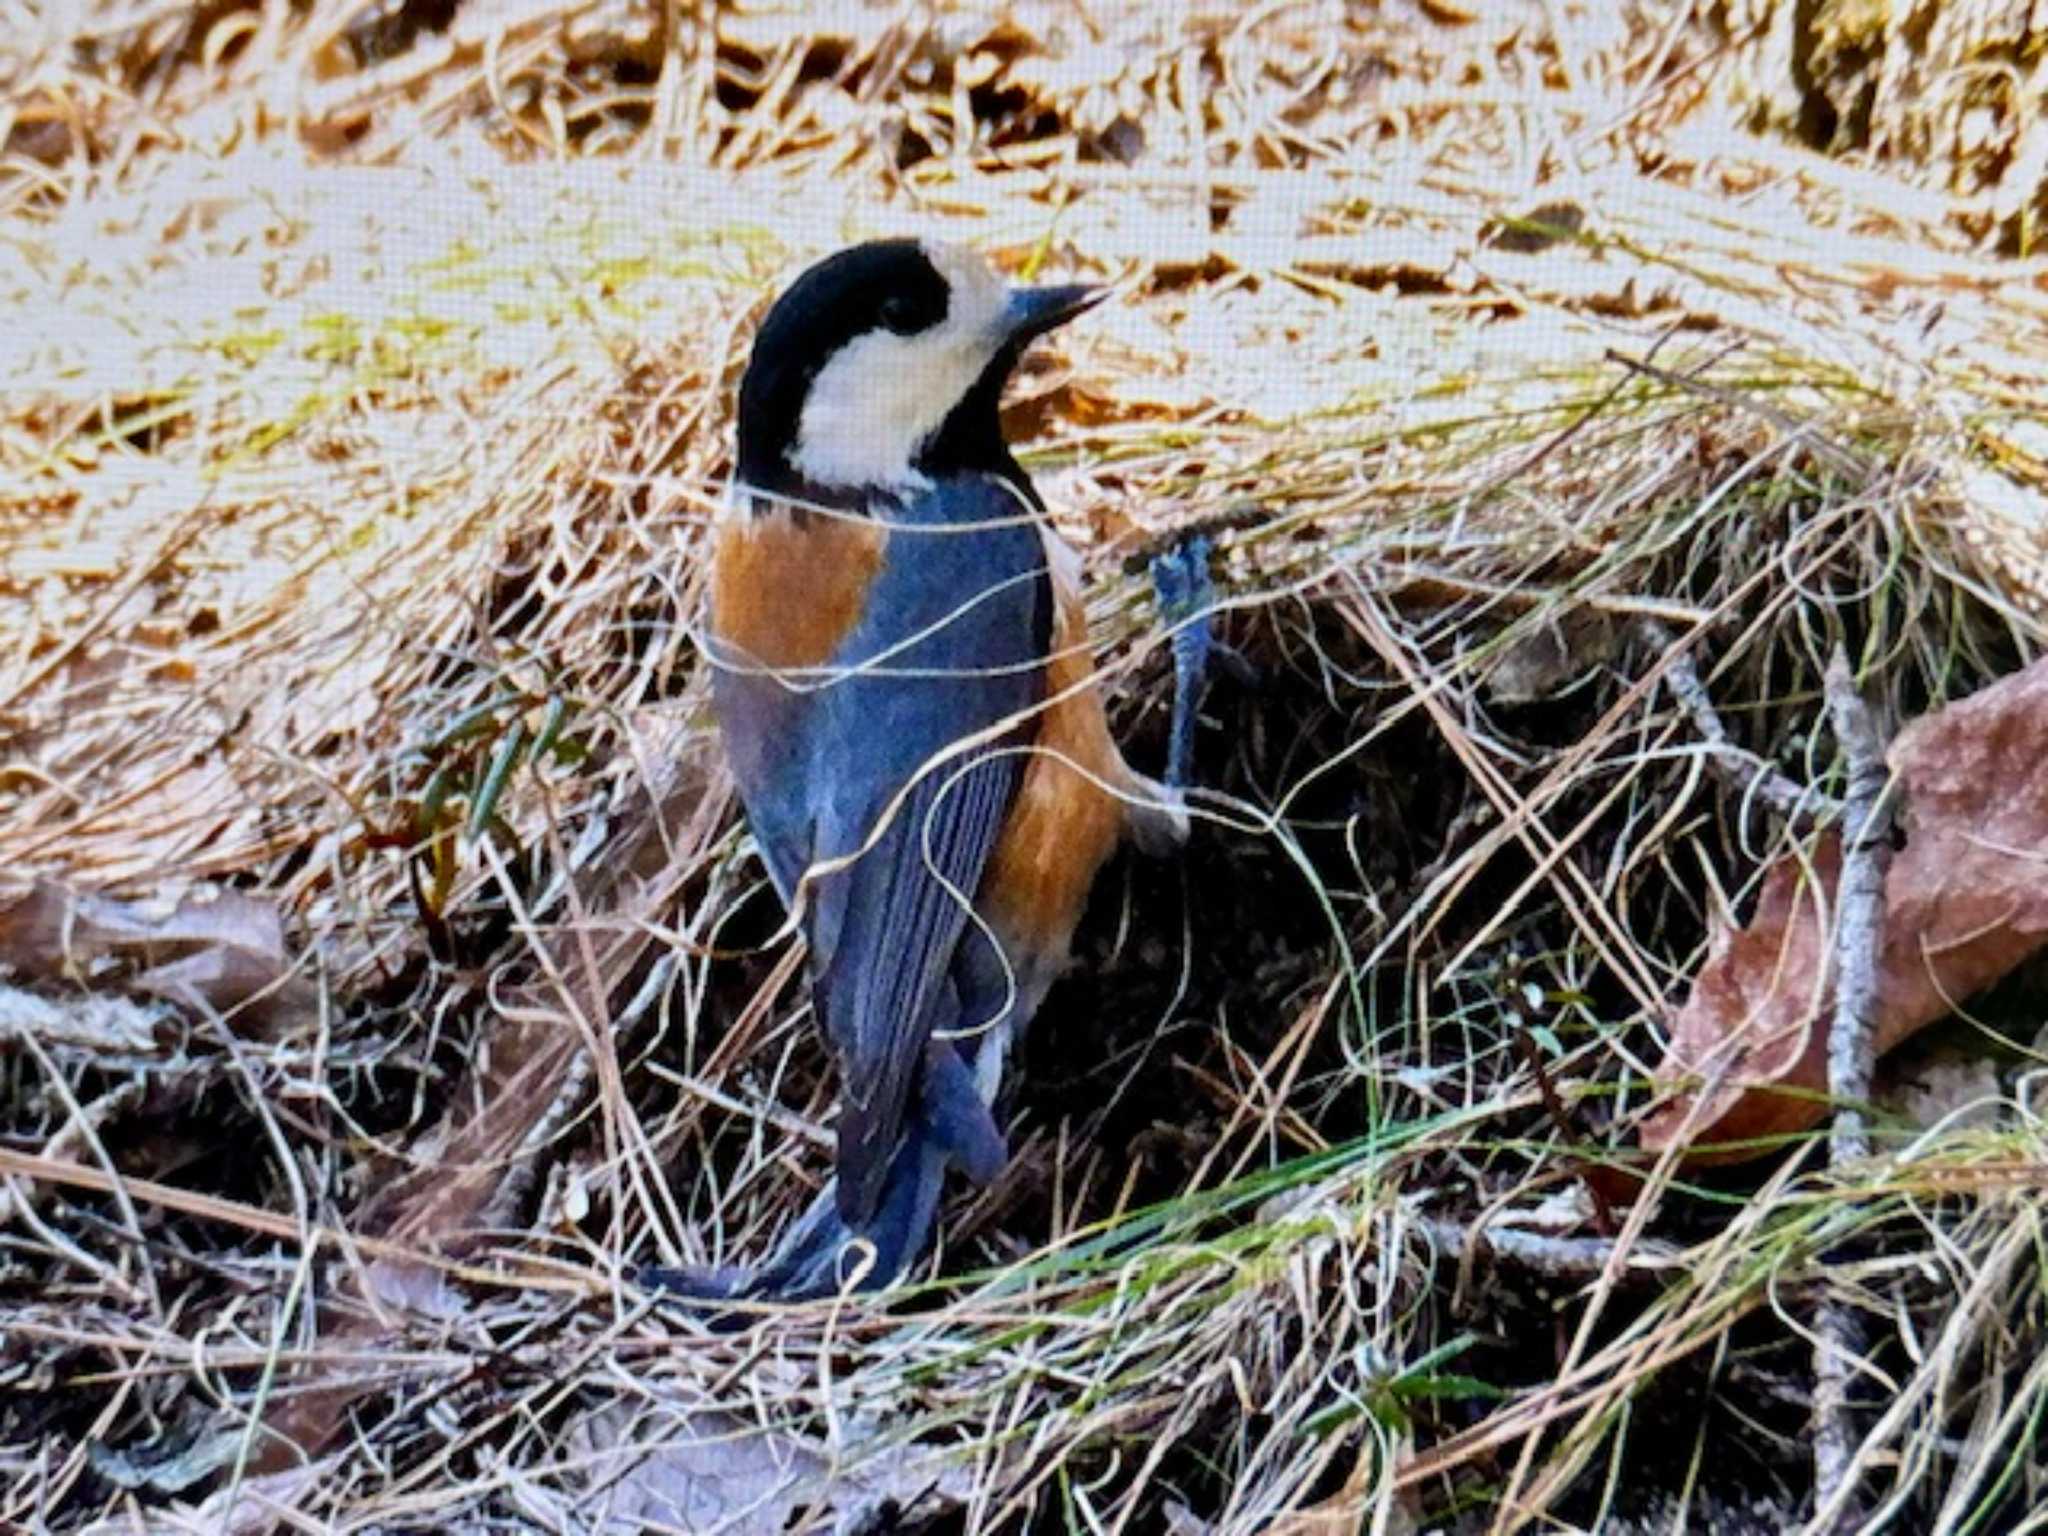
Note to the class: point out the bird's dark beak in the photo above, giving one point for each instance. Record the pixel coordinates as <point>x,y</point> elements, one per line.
<point>1032,312</point>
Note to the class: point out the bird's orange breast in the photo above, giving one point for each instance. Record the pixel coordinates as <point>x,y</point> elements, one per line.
<point>786,591</point>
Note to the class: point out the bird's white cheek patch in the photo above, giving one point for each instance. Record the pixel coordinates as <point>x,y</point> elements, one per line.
<point>876,402</point>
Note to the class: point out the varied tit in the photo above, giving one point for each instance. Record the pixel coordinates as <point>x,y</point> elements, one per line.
<point>908,701</point>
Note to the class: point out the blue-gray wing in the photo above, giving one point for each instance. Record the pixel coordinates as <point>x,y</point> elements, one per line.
<point>866,766</point>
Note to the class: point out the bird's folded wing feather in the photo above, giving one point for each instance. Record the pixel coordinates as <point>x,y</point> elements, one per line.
<point>883,987</point>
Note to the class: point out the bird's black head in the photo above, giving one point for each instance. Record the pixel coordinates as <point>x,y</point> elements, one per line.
<point>883,366</point>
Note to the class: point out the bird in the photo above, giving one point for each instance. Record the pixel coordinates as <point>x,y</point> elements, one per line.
<point>909,705</point>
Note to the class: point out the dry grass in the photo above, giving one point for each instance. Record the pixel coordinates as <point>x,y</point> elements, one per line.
<point>368,401</point>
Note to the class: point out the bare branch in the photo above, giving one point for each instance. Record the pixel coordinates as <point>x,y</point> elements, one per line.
<point>1858,943</point>
<point>1742,770</point>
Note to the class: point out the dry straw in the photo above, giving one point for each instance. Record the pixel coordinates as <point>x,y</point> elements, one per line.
<point>365,400</point>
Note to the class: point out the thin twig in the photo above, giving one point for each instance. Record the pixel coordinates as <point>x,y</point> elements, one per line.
<point>1859,934</point>
<point>1539,1253</point>
<point>1859,940</point>
<point>1568,1132</point>
<point>1743,771</point>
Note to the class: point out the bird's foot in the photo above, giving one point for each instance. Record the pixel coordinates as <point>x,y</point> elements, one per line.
<point>1158,818</point>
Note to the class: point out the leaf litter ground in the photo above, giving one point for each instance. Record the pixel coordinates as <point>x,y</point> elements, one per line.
<point>369,409</point>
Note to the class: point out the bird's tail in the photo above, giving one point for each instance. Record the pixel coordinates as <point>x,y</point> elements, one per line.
<point>825,1253</point>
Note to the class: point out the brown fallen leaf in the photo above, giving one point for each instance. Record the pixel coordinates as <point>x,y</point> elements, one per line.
<point>223,953</point>
<point>663,1467</point>
<point>1966,900</point>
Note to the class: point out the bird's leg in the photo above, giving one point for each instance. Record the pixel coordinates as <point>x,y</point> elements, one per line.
<point>1182,587</point>
<point>1178,563</point>
<point>952,1112</point>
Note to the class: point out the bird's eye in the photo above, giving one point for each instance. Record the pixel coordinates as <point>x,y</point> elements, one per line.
<point>899,314</point>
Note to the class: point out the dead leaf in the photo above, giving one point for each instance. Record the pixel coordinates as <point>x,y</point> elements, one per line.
<point>221,954</point>
<point>1949,1088</point>
<point>1538,229</point>
<point>1966,900</point>
<point>248,1506</point>
<point>712,1470</point>
<point>1552,656</point>
<point>171,1464</point>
